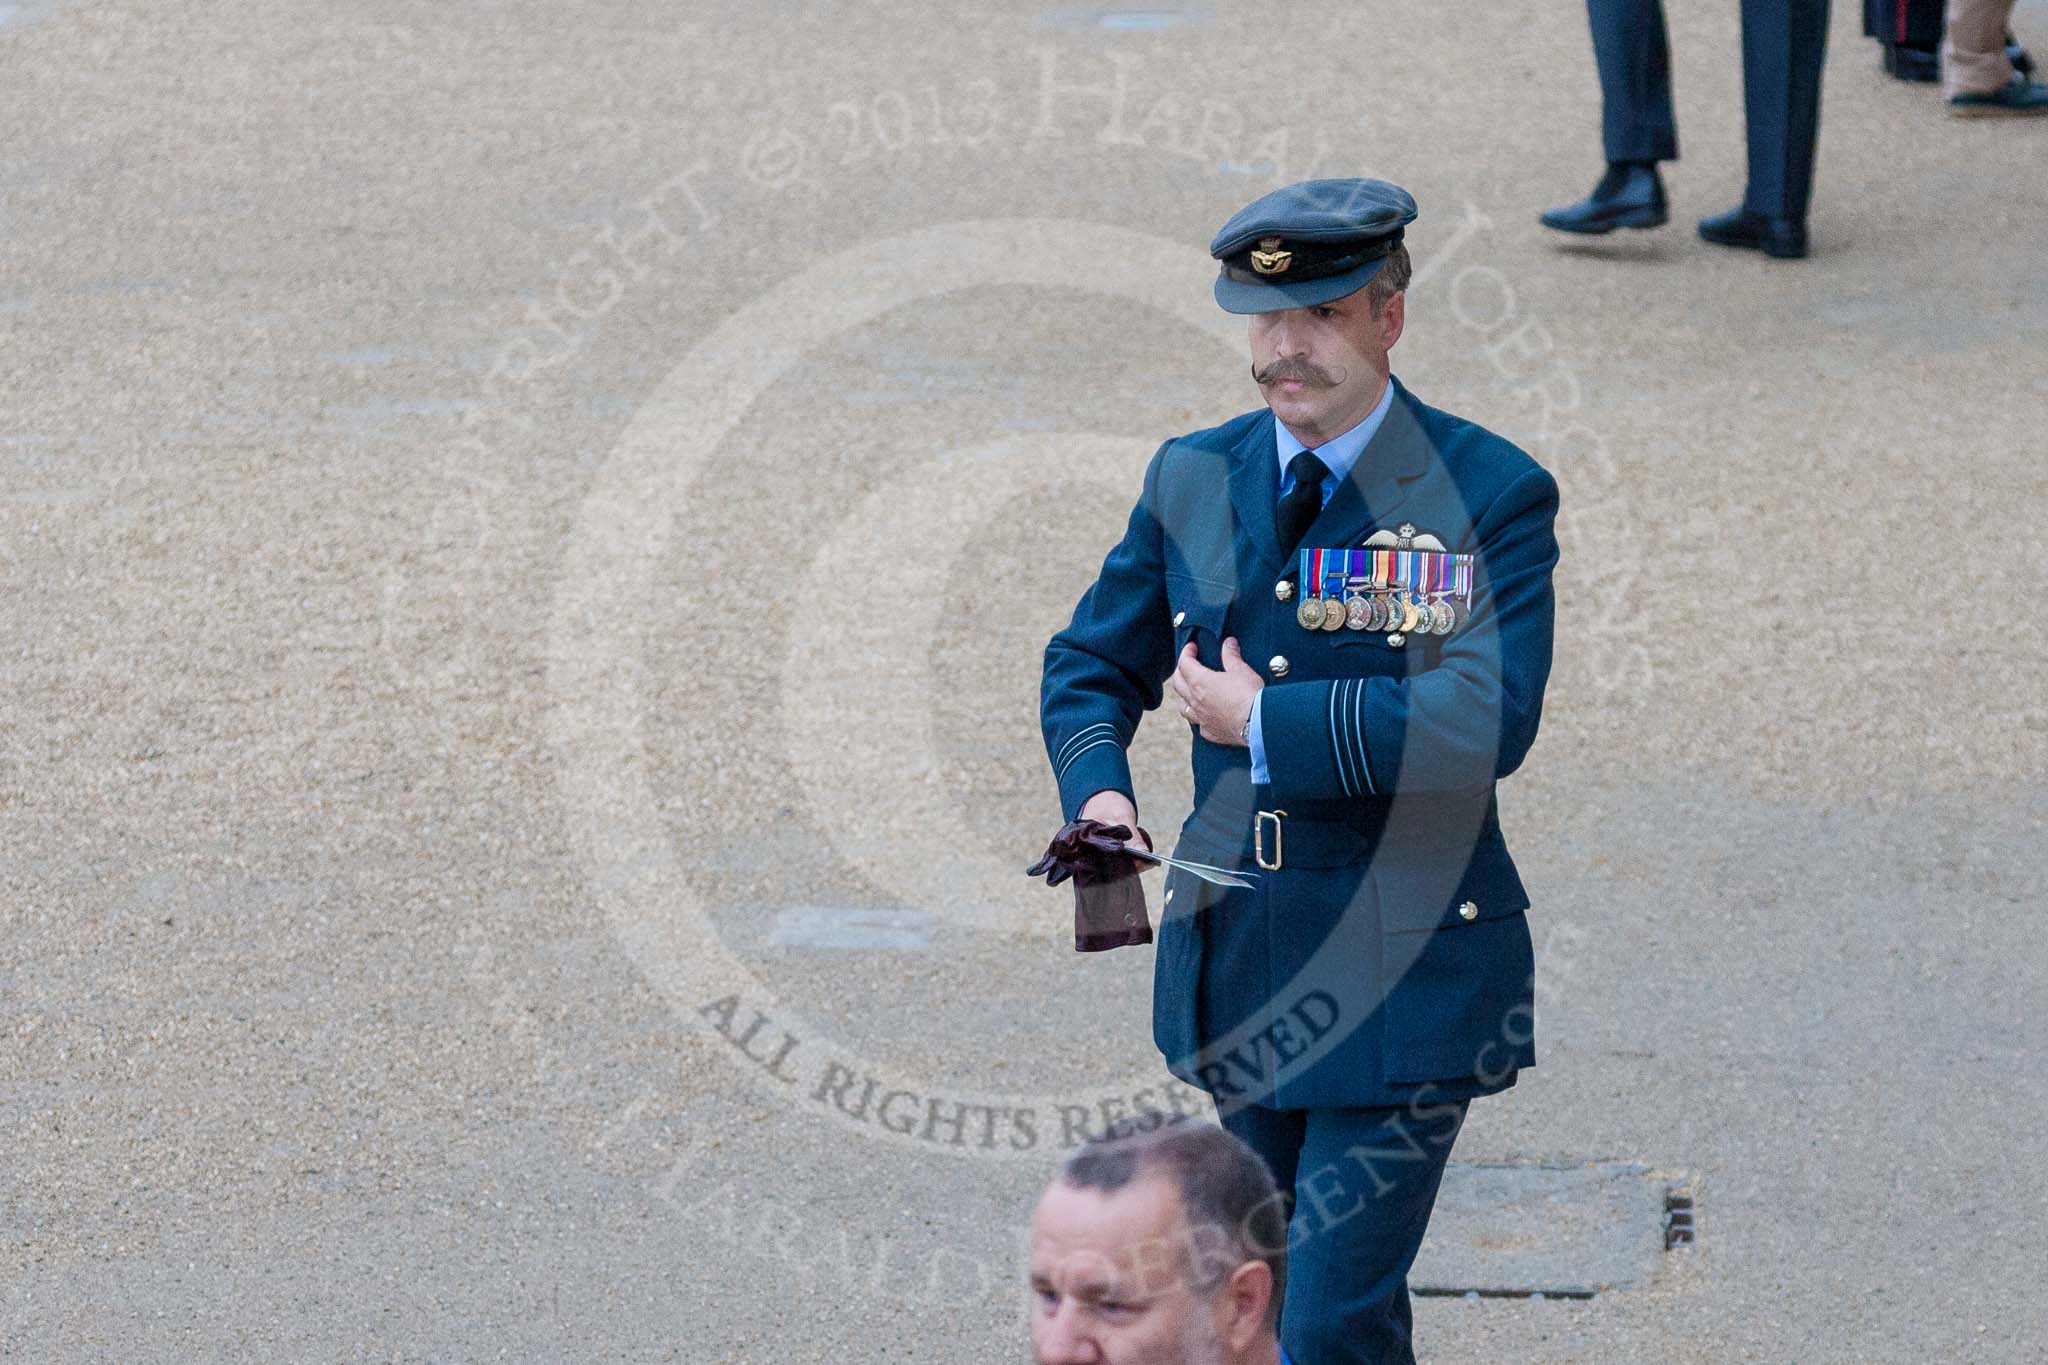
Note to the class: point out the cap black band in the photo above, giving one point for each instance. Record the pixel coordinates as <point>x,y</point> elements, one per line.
<point>1310,262</point>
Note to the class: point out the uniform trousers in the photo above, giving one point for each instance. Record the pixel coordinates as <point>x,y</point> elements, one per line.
<point>1973,60</point>
<point>1784,43</point>
<point>1633,53</point>
<point>1363,1181</point>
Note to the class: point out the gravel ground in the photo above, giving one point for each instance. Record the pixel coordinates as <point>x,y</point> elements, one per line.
<point>512,511</point>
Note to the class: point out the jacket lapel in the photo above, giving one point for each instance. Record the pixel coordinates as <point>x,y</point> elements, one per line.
<point>1254,485</point>
<point>1381,479</point>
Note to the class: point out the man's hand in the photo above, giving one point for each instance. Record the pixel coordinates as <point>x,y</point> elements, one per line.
<point>1112,807</point>
<point>1217,701</point>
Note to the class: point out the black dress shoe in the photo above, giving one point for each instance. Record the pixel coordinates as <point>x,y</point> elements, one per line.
<point>1784,238</point>
<point>1909,63</point>
<point>1630,195</point>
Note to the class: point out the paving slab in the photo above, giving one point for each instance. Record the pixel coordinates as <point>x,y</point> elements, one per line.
<point>1512,1229</point>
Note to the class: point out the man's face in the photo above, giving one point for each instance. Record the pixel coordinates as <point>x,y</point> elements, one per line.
<point>1321,369</point>
<point>1109,1280</point>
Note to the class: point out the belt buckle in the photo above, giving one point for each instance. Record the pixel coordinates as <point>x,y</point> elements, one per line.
<point>1259,839</point>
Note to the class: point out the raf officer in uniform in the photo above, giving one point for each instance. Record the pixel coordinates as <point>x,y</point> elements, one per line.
<point>1346,595</point>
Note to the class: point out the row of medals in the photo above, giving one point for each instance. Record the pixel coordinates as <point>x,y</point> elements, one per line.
<point>1394,610</point>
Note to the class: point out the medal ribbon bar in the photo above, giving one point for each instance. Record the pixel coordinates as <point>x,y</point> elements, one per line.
<point>1432,573</point>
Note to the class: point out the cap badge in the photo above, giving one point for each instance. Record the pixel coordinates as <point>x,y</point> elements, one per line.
<point>1269,259</point>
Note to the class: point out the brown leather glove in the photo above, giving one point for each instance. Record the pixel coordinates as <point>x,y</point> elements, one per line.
<point>1109,899</point>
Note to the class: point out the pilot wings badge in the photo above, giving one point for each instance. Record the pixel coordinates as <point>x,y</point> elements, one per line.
<point>1269,259</point>
<point>1407,538</point>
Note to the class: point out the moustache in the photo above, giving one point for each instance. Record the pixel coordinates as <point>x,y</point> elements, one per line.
<point>1308,373</point>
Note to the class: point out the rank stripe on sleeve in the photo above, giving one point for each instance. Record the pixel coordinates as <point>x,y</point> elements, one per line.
<point>1347,736</point>
<point>1103,732</point>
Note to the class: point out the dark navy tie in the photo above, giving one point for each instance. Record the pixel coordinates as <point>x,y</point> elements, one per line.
<point>1299,507</point>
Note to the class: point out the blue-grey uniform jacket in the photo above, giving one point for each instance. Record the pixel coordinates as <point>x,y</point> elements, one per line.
<point>1389,948</point>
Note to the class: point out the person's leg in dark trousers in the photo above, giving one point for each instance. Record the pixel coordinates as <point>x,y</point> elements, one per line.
<point>1634,56</point>
<point>1784,44</point>
<point>1637,126</point>
<point>1275,1134</point>
<point>1364,1182</point>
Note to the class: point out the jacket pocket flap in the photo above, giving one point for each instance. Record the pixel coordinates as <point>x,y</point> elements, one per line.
<point>1422,904</point>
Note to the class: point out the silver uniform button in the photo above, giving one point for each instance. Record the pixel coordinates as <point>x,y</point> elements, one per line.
<point>1469,910</point>
<point>1277,665</point>
<point>1284,589</point>
<point>1397,639</point>
<point>1179,617</point>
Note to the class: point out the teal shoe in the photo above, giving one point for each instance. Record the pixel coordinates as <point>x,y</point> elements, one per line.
<point>2017,96</point>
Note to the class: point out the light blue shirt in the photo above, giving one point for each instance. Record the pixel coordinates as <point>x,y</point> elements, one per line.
<point>1338,453</point>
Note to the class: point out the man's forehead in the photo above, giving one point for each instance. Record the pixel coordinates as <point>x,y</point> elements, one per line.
<point>1096,1236</point>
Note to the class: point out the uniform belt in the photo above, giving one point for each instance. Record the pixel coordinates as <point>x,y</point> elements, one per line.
<point>1272,840</point>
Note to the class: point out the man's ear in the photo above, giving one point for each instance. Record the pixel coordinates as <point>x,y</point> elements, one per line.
<point>1241,1304</point>
<point>1392,319</point>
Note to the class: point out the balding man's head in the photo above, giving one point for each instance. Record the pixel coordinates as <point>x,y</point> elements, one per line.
<point>1163,1247</point>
